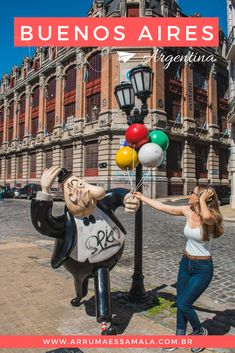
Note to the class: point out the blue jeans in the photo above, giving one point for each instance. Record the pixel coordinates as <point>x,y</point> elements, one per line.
<point>193,278</point>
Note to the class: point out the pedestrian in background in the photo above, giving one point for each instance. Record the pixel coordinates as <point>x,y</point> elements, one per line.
<point>204,223</point>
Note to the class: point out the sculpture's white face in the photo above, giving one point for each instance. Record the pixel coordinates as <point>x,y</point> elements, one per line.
<point>81,197</point>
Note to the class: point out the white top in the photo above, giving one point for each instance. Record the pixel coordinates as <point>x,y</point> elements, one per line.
<point>98,241</point>
<point>195,245</point>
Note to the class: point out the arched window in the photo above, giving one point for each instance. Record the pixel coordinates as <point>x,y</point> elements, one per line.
<point>93,87</point>
<point>50,105</point>
<point>35,112</point>
<point>70,96</point>
<point>10,121</point>
<point>22,117</point>
<point>1,124</point>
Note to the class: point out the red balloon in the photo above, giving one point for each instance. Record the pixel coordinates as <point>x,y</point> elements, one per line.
<point>137,135</point>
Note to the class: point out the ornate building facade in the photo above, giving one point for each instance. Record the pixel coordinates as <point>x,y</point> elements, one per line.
<point>231,115</point>
<point>59,108</point>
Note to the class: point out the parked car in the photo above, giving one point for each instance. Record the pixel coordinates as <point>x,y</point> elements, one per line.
<point>57,194</point>
<point>223,192</point>
<point>16,192</point>
<point>29,191</point>
<point>7,192</point>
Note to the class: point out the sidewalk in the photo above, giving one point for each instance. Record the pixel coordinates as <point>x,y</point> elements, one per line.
<point>35,300</point>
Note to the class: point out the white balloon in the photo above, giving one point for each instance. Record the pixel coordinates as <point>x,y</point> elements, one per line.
<point>151,155</point>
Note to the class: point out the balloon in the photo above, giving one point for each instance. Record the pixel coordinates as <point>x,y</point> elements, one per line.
<point>137,135</point>
<point>127,158</point>
<point>160,138</point>
<point>151,155</point>
<point>126,143</point>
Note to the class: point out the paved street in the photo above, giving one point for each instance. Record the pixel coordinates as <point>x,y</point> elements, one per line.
<point>46,293</point>
<point>163,244</point>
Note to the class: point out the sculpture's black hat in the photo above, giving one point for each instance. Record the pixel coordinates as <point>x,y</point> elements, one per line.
<point>63,175</point>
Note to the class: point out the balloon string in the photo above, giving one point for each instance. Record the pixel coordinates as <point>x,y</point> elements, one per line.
<point>142,180</point>
<point>129,177</point>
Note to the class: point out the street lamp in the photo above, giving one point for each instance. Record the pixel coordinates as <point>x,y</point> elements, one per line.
<point>141,86</point>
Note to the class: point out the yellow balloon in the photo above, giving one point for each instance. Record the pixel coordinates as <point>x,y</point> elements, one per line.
<point>127,158</point>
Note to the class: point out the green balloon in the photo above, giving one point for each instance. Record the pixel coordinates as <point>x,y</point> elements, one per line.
<point>160,138</point>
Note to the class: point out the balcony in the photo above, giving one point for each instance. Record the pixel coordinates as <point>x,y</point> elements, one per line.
<point>231,45</point>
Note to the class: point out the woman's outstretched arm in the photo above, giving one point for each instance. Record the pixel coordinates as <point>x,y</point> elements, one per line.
<point>157,205</point>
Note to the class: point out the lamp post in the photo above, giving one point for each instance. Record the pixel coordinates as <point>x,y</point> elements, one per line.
<point>140,86</point>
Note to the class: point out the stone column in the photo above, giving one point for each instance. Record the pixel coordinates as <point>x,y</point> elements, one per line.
<point>157,100</point>
<point>213,165</point>
<point>13,169</point>
<point>27,110</point>
<point>42,105</point>
<point>57,156</point>
<point>212,111</point>
<point>78,151</point>
<point>59,94</point>
<point>16,116</point>
<point>105,156</point>
<point>189,166</point>
<point>107,80</point>
<point>39,163</point>
<point>80,92</point>
<point>188,96</point>
<point>25,175</point>
<point>5,122</point>
<point>3,176</point>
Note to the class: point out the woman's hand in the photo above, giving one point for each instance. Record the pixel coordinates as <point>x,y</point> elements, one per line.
<point>207,195</point>
<point>138,195</point>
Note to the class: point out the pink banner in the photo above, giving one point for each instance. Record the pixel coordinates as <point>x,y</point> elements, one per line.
<point>117,32</point>
<point>116,341</point>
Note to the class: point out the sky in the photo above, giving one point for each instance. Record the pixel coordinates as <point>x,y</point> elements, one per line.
<point>76,8</point>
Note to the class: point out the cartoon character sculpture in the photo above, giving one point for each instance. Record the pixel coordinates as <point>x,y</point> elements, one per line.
<point>89,238</point>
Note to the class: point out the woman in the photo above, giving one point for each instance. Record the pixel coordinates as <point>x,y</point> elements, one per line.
<point>204,222</point>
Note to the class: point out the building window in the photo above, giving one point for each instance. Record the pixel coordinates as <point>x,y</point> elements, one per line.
<point>51,89</point>
<point>35,98</point>
<point>48,159</point>
<point>200,114</point>
<point>91,159</point>
<point>50,121</point>
<point>20,167</point>
<point>68,158</point>
<point>69,111</point>
<point>36,64</point>
<point>22,104</point>
<point>199,77</point>
<point>1,124</point>
<point>8,168</point>
<point>70,84</point>
<point>12,82</point>
<point>222,92</point>
<point>201,155</point>
<point>21,131</point>
<point>173,107</point>
<point>34,127</point>
<point>223,164</point>
<point>33,165</point>
<point>10,134</point>
<point>133,10</point>
<point>174,157</point>
<point>94,68</point>
<point>92,102</point>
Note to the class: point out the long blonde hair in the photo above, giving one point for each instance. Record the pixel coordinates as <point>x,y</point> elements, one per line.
<point>213,205</point>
